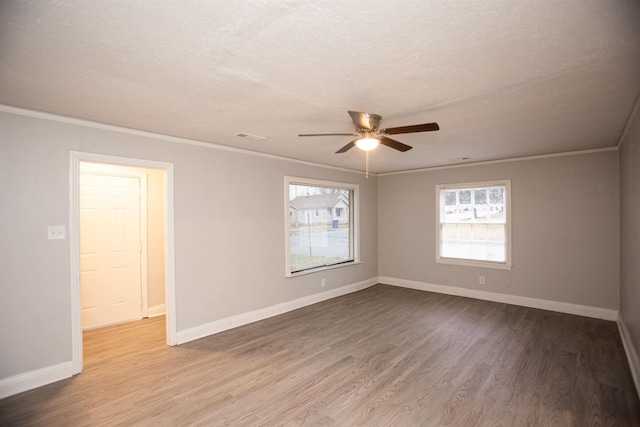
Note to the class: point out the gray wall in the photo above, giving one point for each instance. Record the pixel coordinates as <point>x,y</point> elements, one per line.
<point>565,229</point>
<point>630,231</point>
<point>229,233</point>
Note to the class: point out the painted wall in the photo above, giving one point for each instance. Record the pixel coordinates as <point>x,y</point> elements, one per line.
<point>155,239</point>
<point>565,229</point>
<point>229,259</point>
<point>630,240</point>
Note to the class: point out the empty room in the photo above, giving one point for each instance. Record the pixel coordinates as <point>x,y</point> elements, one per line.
<point>269,212</point>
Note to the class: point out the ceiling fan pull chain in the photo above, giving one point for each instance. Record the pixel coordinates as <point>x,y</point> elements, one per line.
<point>366,164</point>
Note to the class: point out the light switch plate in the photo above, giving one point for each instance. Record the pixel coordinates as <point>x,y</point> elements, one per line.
<point>56,232</point>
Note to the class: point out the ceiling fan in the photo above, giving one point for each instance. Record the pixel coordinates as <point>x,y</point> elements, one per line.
<point>369,135</point>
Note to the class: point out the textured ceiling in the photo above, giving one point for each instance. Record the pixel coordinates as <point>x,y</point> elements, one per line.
<point>503,79</point>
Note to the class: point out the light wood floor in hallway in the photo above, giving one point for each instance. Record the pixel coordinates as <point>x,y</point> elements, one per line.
<point>385,356</point>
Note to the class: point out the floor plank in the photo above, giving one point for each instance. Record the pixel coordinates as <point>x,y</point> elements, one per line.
<point>382,356</point>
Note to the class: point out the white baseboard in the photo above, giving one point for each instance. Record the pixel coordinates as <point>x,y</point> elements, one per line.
<point>561,307</point>
<point>632,356</point>
<point>264,313</point>
<point>156,310</point>
<point>32,379</point>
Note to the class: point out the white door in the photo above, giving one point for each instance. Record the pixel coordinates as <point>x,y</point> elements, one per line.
<point>110,259</point>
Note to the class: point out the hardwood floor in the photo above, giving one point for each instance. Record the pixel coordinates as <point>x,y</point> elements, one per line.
<point>385,356</point>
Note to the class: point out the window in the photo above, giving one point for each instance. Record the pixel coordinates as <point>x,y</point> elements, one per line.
<point>474,224</point>
<point>321,229</point>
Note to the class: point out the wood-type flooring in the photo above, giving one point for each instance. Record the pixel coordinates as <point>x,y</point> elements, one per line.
<point>384,356</point>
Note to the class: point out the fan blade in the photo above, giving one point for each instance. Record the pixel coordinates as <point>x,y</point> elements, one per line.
<point>365,120</point>
<point>327,134</point>
<point>347,147</point>
<point>395,144</point>
<point>426,127</point>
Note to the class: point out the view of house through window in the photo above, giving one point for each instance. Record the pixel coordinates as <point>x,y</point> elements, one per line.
<point>320,225</point>
<point>473,222</point>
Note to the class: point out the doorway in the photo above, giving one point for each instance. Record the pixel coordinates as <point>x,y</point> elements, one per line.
<point>121,238</point>
<point>121,244</point>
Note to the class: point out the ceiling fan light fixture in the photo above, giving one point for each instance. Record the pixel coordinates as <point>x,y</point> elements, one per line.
<point>367,143</point>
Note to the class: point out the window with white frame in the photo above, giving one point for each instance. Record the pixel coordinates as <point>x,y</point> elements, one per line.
<point>321,229</point>
<point>474,224</point>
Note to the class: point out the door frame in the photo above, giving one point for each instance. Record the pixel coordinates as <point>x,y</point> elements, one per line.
<point>119,171</point>
<point>74,242</point>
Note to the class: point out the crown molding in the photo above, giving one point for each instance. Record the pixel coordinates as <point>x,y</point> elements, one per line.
<point>635,112</point>
<point>512,159</point>
<point>176,139</point>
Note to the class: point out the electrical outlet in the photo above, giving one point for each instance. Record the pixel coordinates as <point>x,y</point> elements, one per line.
<point>323,283</point>
<point>56,232</point>
<point>481,280</point>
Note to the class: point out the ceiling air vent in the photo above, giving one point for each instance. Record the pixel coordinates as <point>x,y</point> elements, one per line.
<point>250,136</point>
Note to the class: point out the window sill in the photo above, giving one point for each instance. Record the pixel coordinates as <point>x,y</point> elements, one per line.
<point>316,270</point>
<point>474,263</point>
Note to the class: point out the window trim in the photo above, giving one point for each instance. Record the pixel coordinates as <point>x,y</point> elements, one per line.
<point>507,264</point>
<point>354,207</point>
